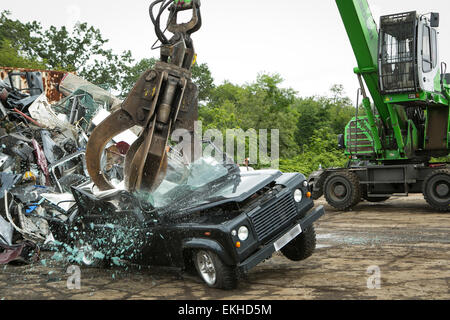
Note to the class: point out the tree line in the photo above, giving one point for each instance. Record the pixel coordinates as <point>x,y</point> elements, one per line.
<point>308,125</point>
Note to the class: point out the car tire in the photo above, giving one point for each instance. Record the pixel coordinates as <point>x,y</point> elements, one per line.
<point>302,247</point>
<point>213,271</point>
<point>436,189</point>
<point>343,190</point>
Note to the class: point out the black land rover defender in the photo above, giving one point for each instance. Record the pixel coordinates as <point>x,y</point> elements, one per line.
<point>209,216</point>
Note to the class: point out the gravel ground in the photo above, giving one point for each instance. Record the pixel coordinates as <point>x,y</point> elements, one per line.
<point>402,239</point>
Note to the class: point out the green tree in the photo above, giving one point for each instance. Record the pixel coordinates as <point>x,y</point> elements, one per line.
<point>313,114</point>
<point>202,76</point>
<point>15,38</point>
<point>332,112</point>
<point>9,56</point>
<point>81,50</point>
<point>322,151</point>
<point>263,104</point>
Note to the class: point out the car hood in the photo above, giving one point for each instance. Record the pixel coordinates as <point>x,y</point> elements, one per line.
<point>243,188</point>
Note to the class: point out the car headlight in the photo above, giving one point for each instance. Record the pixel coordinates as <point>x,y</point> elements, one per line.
<point>298,195</point>
<point>305,184</point>
<point>243,233</point>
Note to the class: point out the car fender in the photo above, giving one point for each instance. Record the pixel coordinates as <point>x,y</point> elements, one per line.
<point>208,244</point>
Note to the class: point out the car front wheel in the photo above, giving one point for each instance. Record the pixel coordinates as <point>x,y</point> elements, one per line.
<point>214,272</point>
<point>302,247</point>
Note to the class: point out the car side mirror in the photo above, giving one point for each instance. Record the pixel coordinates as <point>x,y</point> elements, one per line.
<point>434,20</point>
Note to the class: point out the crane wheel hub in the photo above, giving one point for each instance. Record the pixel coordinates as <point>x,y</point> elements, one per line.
<point>340,190</point>
<point>442,189</point>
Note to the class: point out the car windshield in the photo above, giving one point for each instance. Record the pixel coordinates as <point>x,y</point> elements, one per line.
<point>187,184</point>
<point>183,184</point>
<point>207,180</point>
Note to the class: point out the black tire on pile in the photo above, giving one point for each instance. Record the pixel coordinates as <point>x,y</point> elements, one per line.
<point>302,247</point>
<point>226,276</point>
<point>436,190</point>
<point>342,190</point>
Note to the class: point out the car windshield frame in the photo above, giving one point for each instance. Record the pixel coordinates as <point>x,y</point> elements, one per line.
<point>189,192</point>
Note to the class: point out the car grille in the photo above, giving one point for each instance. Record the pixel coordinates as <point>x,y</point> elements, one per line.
<point>274,217</point>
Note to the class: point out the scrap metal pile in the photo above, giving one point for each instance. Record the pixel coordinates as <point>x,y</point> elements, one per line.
<point>71,171</point>
<point>42,156</point>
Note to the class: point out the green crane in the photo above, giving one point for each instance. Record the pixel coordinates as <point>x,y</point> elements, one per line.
<point>406,123</point>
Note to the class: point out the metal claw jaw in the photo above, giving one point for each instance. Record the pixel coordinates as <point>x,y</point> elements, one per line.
<point>159,103</point>
<point>162,100</point>
<point>187,28</point>
<point>137,110</point>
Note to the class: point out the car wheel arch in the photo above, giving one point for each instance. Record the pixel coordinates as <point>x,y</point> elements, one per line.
<point>191,245</point>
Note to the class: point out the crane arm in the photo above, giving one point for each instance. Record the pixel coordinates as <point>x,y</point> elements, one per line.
<point>363,34</point>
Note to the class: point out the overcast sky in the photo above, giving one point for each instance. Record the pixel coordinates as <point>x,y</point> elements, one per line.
<point>304,41</point>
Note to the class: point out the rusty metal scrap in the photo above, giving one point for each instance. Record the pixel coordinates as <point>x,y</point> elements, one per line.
<point>51,80</point>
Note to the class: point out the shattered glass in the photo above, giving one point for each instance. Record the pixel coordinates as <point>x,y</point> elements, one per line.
<point>203,173</point>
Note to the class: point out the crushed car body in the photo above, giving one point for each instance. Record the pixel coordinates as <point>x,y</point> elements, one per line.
<point>208,209</point>
<point>208,215</point>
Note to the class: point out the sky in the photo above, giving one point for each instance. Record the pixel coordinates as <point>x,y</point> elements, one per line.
<point>304,41</point>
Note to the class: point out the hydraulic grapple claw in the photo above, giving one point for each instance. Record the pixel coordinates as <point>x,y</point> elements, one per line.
<point>163,99</point>
<point>115,124</point>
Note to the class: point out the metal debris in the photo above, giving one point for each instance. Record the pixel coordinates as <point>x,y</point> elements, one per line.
<point>43,137</point>
<point>50,80</point>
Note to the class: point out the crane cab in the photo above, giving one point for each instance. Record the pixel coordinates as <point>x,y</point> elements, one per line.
<point>409,54</point>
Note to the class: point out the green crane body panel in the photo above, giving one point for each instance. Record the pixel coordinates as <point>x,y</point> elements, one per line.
<point>363,34</point>
<point>358,138</point>
<point>390,134</point>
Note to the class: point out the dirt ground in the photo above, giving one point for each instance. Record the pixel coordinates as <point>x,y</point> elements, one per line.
<point>402,238</point>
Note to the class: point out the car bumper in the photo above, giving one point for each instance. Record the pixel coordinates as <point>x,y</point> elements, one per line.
<point>269,249</point>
